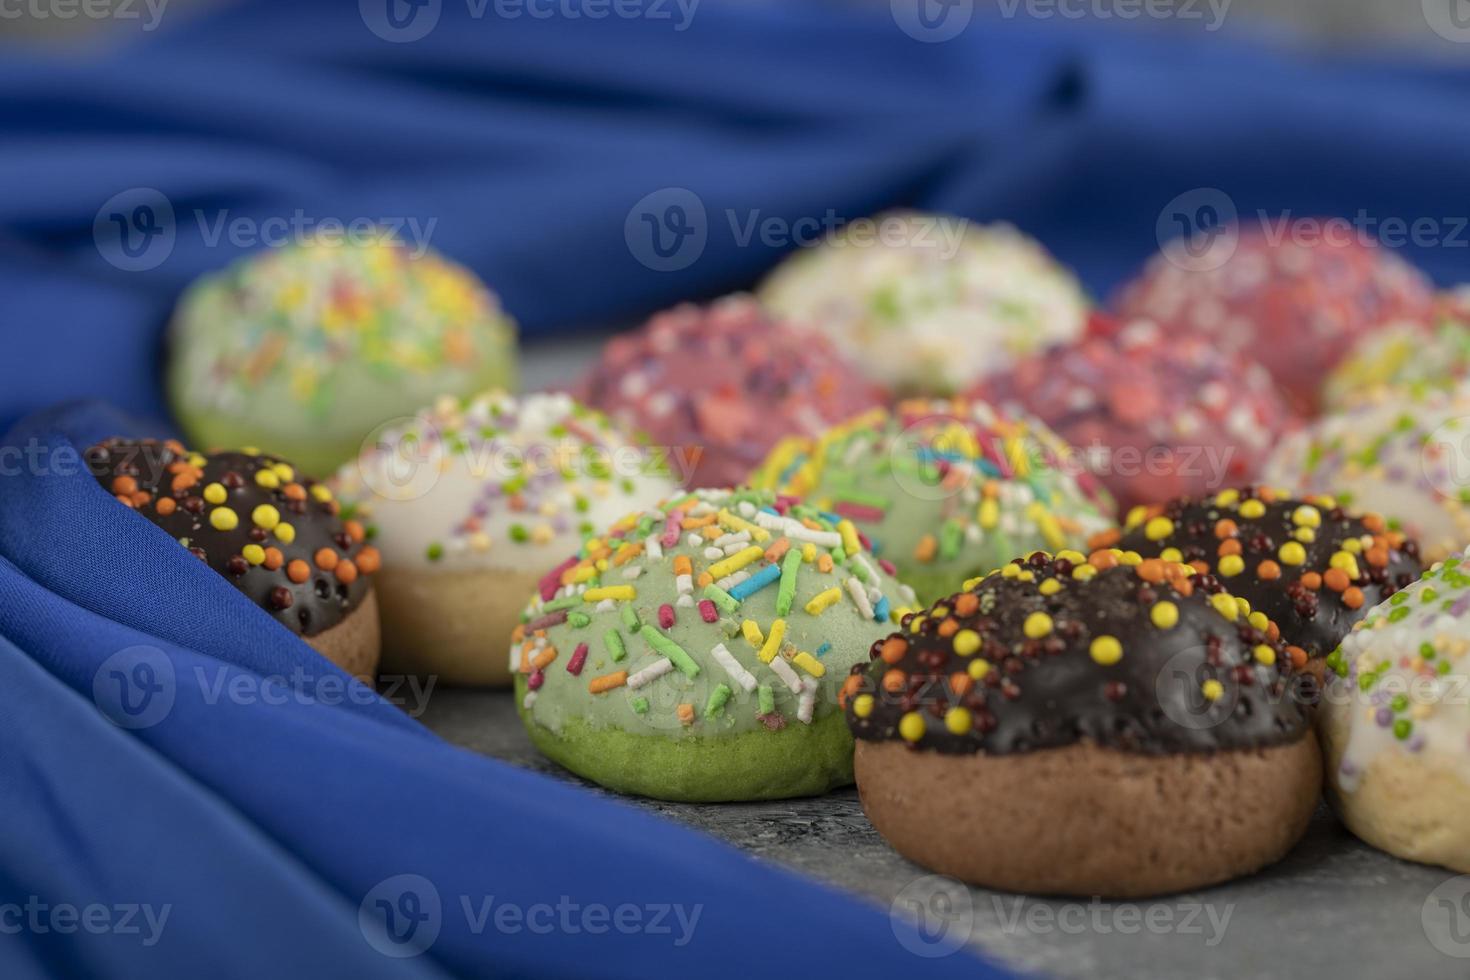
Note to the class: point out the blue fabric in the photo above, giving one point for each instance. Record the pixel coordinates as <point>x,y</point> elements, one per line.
<point>262,823</point>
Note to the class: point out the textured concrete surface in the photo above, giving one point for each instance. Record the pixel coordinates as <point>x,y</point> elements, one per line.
<point>1333,908</point>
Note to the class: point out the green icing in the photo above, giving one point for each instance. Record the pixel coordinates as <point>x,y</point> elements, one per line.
<point>634,739</point>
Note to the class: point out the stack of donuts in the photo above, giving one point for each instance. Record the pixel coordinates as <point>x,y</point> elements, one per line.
<point>1086,601</point>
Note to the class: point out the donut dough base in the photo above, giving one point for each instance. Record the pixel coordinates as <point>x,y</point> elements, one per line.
<point>453,625</point>
<point>798,760</point>
<point>355,643</point>
<point>1084,820</point>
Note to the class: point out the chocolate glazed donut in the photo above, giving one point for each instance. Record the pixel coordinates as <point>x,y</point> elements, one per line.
<point>1103,725</point>
<point>273,534</point>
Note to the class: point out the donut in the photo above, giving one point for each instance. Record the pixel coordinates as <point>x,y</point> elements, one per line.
<point>472,503</point>
<point>1403,455</point>
<point>1296,306</point>
<point>275,534</point>
<point>694,651</point>
<point>1156,415</point>
<point>928,304</point>
<point>720,384</point>
<point>1394,726</point>
<point>308,348</point>
<point>1086,725</point>
<point>1406,355</point>
<point>1308,565</point>
<point>946,489</point>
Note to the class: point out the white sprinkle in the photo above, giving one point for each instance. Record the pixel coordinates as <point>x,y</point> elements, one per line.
<point>694,540</point>
<point>529,700</point>
<point>783,670</point>
<point>726,540</point>
<point>632,572</point>
<point>606,605</point>
<point>807,702</point>
<point>870,574</point>
<point>733,579</point>
<point>732,667</point>
<point>652,672</point>
<point>860,596</point>
<point>747,509</point>
<point>714,554</point>
<point>652,548</point>
<point>684,583</point>
<point>685,602</point>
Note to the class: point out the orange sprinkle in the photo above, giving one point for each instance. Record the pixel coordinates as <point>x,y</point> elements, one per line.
<point>608,682</point>
<point>966,604</point>
<point>369,561</point>
<point>711,532</point>
<point>686,714</point>
<point>705,579</point>
<point>1377,556</point>
<point>167,505</point>
<point>1226,528</point>
<point>1203,567</point>
<point>1353,598</point>
<point>849,688</point>
<point>1230,546</point>
<point>1373,522</point>
<point>124,500</point>
<point>298,571</point>
<point>695,523</point>
<point>326,559</point>
<point>1273,632</point>
<point>893,649</point>
<point>778,550</point>
<point>627,553</point>
<point>927,547</point>
<point>949,627</point>
<point>183,481</point>
<point>546,656</point>
<point>346,572</point>
<point>1105,539</point>
<point>1102,560</point>
<point>1336,579</point>
<point>294,491</point>
<point>1311,580</point>
<point>1298,657</point>
<point>1151,570</point>
<point>824,562</point>
<point>961,683</point>
<point>354,530</point>
<point>125,485</point>
<point>682,565</point>
<point>519,633</point>
<point>1268,570</point>
<point>894,680</point>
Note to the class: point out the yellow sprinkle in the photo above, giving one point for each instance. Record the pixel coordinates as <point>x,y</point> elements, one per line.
<point>808,552</point>
<point>1225,605</point>
<point>216,494</point>
<point>580,574</point>
<point>773,641</point>
<point>967,643</point>
<point>752,633</point>
<point>1172,554</point>
<point>862,705</point>
<point>1243,606</point>
<point>1164,615</point>
<point>1305,535</point>
<point>1307,516</point>
<point>266,516</point>
<point>1251,509</point>
<point>224,519</point>
<point>1136,516</point>
<point>989,513</point>
<point>1232,565</point>
<point>285,533</point>
<point>621,593</point>
<point>1050,587</point>
<point>822,600</point>
<point>736,562</point>
<point>1227,498</point>
<point>911,726</point>
<point>250,450</point>
<point>1037,625</point>
<point>1345,561</point>
<point>736,524</point>
<point>197,461</point>
<point>1259,621</point>
<point>1075,557</point>
<point>285,472</point>
<point>978,669</point>
<point>1292,553</point>
<point>1212,689</point>
<point>254,554</point>
<point>850,543</point>
<point>957,720</point>
<point>1083,572</point>
<point>1106,650</point>
<point>1158,528</point>
<point>267,479</point>
<point>320,493</point>
<point>1353,546</point>
<point>809,664</point>
<point>1265,655</point>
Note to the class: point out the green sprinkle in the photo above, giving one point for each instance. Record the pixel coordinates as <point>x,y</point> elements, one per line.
<point>519,534</point>
<point>786,591</point>
<point>1336,663</point>
<point>1402,729</point>
<point>717,698</point>
<point>567,602</point>
<point>579,620</point>
<point>662,644</point>
<point>1398,599</point>
<point>1396,615</point>
<point>630,618</point>
<point>613,640</point>
<point>951,536</point>
<point>436,551</point>
<point>766,698</point>
<point>723,600</point>
<point>640,705</point>
<point>581,503</point>
<point>1428,595</point>
<point>1399,703</point>
<point>1426,650</point>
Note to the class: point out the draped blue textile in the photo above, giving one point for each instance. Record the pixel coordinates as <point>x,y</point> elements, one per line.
<point>255,793</point>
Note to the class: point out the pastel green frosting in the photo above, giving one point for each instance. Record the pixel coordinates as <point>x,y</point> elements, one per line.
<point>633,740</point>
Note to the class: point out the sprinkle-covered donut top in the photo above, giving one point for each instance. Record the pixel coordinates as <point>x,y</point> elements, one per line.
<point>1402,675</point>
<point>724,382</point>
<point>717,612</point>
<point>276,535</point>
<point>1309,565</point>
<point>946,489</point>
<point>1405,455</point>
<point>1405,355</point>
<point>1130,653</point>
<point>497,482</point>
<point>303,322</point>
<point>931,302</point>
<point>1155,415</point>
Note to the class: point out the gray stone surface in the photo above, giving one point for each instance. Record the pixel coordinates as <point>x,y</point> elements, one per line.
<point>1334,908</point>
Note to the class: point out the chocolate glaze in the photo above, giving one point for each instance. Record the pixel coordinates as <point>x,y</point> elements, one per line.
<point>165,471</point>
<point>1050,691</point>
<point>1314,619</point>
